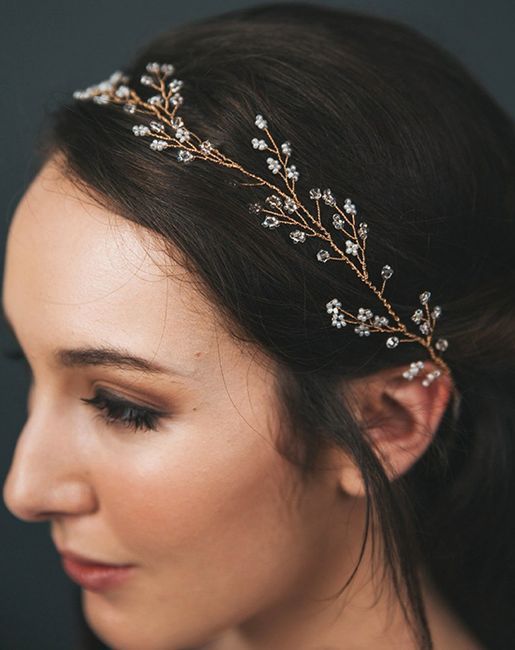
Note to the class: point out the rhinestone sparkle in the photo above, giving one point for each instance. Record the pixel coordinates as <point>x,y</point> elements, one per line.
<point>386,272</point>
<point>167,130</point>
<point>298,236</point>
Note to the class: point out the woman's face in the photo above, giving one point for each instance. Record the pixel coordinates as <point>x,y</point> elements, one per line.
<point>201,505</point>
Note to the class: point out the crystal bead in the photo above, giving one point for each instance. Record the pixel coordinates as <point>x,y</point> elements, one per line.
<point>298,236</point>
<point>158,127</point>
<point>442,345</point>
<point>351,247</point>
<point>338,222</point>
<point>177,122</point>
<point>290,205</point>
<point>175,85</point>
<point>437,311</point>
<point>332,306</point>
<point>362,330</point>
<point>315,193</point>
<point>146,80</point>
<point>363,230</point>
<point>392,342</point>
<point>167,69</point>
<point>364,314</point>
<point>291,172</point>
<point>176,99</point>
<point>158,145</point>
<point>260,122</point>
<point>349,207</point>
<point>255,208</point>
<point>155,100</point>
<point>182,134</point>
<point>116,77</point>
<point>140,129</point>
<point>430,377</point>
<point>87,93</point>
<point>380,321</point>
<point>101,99</point>
<point>424,327</point>
<point>424,297</point>
<point>414,369</point>
<point>270,222</point>
<point>152,67</point>
<point>417,315</point>
<point>286,148</point>
<point>129,108</point>
<point>274,201</point>
<point>386,272</point>
<point>338,320</point>
<point>273,165</point>
<point>206,147</point>
<point>258,144</point>
<point>122,92</point>
<point>184,156</point>
<point>323,255</point>
<point>328,197</point>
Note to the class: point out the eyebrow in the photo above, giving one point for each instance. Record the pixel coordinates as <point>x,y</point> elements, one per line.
<point>105,356</point>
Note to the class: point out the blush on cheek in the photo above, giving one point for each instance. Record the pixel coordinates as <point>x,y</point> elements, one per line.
<point>161,508</point>
<point>213,547</point>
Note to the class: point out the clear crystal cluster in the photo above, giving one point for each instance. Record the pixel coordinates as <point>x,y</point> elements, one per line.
<point>282,205</point>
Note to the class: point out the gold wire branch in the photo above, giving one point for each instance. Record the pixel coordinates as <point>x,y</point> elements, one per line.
<point>283,206</point>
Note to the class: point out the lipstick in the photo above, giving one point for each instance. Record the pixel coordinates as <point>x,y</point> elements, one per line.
<point>93,576</point>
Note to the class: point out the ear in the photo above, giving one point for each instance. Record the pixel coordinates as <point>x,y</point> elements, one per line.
<point>400,418</point>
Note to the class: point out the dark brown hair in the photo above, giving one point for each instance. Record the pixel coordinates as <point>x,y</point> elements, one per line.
<point>379,113</point>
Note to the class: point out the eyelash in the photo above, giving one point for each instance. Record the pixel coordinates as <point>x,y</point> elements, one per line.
<point>119,411</point>
<point>112,410</point>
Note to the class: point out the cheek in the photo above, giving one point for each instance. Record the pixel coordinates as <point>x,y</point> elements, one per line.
<point>212,523</point>
<point>173,500</point>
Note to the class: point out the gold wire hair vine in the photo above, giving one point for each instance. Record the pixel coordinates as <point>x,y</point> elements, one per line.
<point>283,206</point>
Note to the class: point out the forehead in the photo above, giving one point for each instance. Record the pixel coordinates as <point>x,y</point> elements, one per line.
<point>76,269</point>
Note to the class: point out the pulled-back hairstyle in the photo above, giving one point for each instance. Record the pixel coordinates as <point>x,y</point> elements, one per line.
<point>379,113</point>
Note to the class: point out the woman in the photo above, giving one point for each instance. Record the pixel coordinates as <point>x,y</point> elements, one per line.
<point>253,476</point>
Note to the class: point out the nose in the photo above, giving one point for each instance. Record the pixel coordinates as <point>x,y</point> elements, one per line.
<point>47,477</point>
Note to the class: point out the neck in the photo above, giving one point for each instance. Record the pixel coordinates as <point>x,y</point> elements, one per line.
<point>367,615</point>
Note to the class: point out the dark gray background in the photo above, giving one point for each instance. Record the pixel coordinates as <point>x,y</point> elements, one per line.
<point>47,50</point>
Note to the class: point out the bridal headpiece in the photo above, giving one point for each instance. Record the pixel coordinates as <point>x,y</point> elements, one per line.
<point>167,130</point>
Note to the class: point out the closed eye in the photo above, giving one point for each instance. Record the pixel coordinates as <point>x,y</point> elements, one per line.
<point>112,409</point>
<point>116,410</point>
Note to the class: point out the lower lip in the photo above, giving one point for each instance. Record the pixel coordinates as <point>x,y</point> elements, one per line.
<point>96,577</point>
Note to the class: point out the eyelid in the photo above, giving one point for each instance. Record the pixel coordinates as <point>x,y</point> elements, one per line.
<point>104,401</point>
<point>104,393</point>
<point>143,418</point>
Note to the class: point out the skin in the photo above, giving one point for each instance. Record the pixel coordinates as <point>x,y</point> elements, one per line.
<point>231,549</point>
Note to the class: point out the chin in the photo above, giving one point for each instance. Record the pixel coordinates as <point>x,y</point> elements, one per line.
<point>106,618</point>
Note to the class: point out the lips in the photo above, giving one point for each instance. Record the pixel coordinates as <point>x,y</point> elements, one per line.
<point>88,561</point>
<point>95,576</point>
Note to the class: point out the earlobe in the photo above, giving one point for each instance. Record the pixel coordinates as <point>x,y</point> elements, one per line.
<point>400,418</point>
